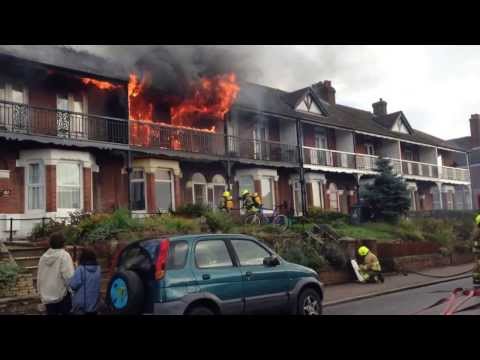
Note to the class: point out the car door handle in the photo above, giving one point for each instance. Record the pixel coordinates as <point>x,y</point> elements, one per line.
<point>206,276</point>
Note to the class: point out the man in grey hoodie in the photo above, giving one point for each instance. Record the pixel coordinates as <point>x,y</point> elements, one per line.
<point>55,269</point>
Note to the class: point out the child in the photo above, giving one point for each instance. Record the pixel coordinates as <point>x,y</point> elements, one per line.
<point>85,284</point>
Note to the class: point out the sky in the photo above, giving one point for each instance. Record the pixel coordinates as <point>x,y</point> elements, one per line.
<point>435,86</point>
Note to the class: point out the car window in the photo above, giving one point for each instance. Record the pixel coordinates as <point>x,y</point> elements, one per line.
<point>135,258</point>
<point>249,253</point>
<point>212,254</point>
<point>177,256</point>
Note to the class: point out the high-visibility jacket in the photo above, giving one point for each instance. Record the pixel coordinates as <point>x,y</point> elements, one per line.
<point>226,202</point>
<point>371,263</point>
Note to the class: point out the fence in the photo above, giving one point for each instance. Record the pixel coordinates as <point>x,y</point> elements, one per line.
<point>10,225</point>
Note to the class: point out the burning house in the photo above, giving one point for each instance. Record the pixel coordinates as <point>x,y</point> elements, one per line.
<point>93,136</point>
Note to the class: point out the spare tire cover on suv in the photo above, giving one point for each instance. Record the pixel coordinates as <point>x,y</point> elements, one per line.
<point>126,293</point>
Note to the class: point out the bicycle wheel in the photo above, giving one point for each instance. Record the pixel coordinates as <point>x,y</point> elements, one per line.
<point>252,219</point>
<point>280,221</point>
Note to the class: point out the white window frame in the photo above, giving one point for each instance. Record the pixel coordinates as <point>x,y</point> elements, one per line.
<point>7,96</point>
<point>144,181</point>
<point>78,121</point>
<point>370,149</point>
<point>335,193</point>
<point>28,185</point>
<point>205,189</point>
<point>213,184</point>
<point>66,211</point>
<point>271,180</point>
<point>172,188</point>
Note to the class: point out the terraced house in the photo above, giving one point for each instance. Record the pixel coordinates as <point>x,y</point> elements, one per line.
<point>77,137</point>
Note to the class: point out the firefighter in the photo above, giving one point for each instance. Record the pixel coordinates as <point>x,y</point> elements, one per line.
<point>476,251</point>
<point>248,202</point>
<point>370,270</point>
<point>226,202</point>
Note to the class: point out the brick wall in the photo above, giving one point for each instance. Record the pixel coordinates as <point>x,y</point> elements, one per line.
<point>13,203</point>
<point>87,189</point>
<point>150,192</point>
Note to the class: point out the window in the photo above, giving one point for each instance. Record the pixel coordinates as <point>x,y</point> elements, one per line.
<point>408,154</point>
<point>268,198</point>
<point>317,193</point>
<point>138,190</point>
<point>334,197</point>
<point>199,188</point>
<point>370,149</point>
<point>219,186</point>
<point>212,254</point>
<point>68,186</point>
<point>35,187</point>
<point>69,118</point>
<point>177,255</point>
<point>249,253</point>
<point>413,200</point>
<point>297,197</point>
<point>163,190</point>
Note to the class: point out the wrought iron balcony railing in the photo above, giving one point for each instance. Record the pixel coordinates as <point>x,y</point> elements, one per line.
<point>261,150</point>
<point>32,120</point>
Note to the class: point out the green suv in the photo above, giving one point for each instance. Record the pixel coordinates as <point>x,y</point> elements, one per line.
<point>210,274</point>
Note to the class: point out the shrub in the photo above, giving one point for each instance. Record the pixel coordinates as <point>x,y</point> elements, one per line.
<point>8,274</point>
<point>191,210</point>
<point>219,221</point>
<point>171,224</point>
<point>407,230</point>
<point>320,215</point>
<point>335,255</point>
<point>45,230</point>
<point>435,230</point>
<point>303,255</point>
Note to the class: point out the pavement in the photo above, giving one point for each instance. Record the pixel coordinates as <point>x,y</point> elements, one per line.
<point>337,294</point>
<point>409,302</point>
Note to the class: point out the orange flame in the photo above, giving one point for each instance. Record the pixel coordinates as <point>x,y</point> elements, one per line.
<point>209,98</point>
<point>102,85</point>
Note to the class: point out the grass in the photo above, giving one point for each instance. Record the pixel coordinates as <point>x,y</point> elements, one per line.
<point>373,231</point>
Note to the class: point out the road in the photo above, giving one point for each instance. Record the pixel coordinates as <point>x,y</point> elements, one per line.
<point>406,302</point>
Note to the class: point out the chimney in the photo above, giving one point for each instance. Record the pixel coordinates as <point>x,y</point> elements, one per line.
<point>326,91</point>
<point>475,129</point>
<point>380,108</point>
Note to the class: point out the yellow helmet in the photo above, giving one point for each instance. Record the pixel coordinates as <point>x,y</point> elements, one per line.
<point>477,219</point>
<point>245,192</point>
<point>363,251</point>
<point>226,193</point>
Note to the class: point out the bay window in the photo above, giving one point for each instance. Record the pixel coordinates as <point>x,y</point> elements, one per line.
<point>199,189</point>
<point>69,186</point>
<point>268,197</point>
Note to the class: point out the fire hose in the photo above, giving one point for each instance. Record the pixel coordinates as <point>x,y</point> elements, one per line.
<point>406,272</point>
<point>453,305</point>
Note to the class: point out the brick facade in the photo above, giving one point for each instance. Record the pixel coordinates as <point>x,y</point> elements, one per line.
<point>13,203</point>
<point>51,188</point>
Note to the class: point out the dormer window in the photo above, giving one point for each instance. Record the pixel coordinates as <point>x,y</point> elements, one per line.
<point>399,126</point>
<point>308,105</point>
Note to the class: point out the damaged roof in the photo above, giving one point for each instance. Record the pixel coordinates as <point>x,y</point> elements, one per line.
<point>266,99</point>
<point>67,58</point>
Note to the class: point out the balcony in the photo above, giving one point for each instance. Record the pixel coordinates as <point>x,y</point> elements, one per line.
<point>29,120</point>
<point>262,150</point>
<point>367,163</point>
<point>151,135</point>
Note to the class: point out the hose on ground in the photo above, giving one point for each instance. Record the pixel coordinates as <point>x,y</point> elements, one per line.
<point>406,272</point>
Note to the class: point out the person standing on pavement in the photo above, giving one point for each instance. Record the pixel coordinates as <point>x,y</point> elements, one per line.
<point>370,270</point>
<point>476,251</point>
<point>85,284</point>
<point>55,268</point>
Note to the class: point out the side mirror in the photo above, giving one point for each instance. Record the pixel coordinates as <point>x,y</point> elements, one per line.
<point>271,261</point>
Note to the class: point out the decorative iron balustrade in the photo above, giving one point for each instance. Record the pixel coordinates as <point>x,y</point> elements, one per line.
<point>261,150</point>
<point>32,120</point>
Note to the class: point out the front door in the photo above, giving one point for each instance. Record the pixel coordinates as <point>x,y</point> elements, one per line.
<point>265,289</point>
<point>216,274</point>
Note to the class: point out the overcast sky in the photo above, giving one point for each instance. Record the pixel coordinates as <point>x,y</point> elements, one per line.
<point>435,86</point>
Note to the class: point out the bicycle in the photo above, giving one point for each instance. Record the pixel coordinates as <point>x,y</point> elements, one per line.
<point>276,219</point>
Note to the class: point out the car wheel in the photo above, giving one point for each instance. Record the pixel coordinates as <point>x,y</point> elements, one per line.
<point>126,293</point>
<point>309,303</point>
<point>200,310</point>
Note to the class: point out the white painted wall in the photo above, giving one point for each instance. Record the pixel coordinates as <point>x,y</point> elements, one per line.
<point>344,140</point>
<point>389,149</point>
<point>427,155</point>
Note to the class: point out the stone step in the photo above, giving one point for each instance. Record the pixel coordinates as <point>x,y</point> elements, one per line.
<point>25,261</point>
<point>26,251</point>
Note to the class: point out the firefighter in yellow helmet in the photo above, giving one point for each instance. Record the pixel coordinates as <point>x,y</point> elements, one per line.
<point>226,202</point>
<point>476,251</point>
<point>247,201</point>
<point>370,270</point>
